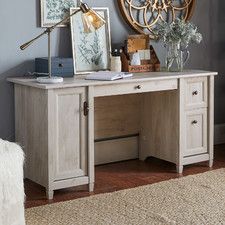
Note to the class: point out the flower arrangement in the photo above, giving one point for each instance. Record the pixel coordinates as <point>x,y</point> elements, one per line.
<point>178,31</point>
<point>176,37</point>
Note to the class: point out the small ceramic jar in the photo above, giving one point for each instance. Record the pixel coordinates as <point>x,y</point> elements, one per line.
<point>116,64</point>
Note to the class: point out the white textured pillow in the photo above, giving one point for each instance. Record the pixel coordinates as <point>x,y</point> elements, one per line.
<point>11,184</point>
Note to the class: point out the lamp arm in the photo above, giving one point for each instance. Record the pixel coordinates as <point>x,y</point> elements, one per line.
<point>48,30</point>
<point>24,46</point>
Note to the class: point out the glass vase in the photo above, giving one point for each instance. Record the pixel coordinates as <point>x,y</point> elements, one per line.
<point>176,57</point>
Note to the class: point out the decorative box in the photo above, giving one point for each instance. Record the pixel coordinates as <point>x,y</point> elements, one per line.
<point>60,66</point>
<point>134,44</point>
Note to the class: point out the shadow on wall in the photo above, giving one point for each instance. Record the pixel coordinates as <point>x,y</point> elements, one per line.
<point>218,60</point>
<point>7,99</point>
<point>220,33</point>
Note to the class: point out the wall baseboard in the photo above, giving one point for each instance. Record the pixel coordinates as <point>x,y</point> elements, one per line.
<point>116,150</point>
<point>219,134</point>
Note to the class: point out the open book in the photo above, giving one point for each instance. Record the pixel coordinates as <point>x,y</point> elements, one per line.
<point>108,75</point>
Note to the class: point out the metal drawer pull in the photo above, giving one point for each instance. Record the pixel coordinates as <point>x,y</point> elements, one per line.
<point>194,92</point>
<point>86,108</point>
<point>138,87</point>
<point>194,122</point>
<point>60,65</point>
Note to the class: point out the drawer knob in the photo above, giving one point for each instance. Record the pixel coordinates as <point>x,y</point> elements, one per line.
<point>138,87</point>
<point>194,122</point>
<point>194,92</point>
<point>60,65</point>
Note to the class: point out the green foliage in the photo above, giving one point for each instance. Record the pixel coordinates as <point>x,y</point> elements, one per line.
<point>90,53</point>
<point>96,49</point>
<point>56,9</point>
<point>178,31</point>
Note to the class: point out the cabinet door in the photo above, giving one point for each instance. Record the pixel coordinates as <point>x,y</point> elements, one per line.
<point>70,154</point>
<point>196,132</point>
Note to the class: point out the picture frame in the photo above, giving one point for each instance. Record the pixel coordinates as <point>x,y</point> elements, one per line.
<point>91,51</point>
<point>53,11</point>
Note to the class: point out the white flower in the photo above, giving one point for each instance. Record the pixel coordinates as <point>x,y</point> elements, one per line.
<point>178,31</point>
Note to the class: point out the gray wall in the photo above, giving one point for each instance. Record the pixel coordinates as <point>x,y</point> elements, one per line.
<point>19,22</point>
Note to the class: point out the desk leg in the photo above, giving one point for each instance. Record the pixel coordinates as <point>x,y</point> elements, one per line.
<point>179,169</point>
<point>49,194</point>
<point>91,187</point>
<point>182,126</point>
<point>211,163</point>
<point>211,120</point>
<point>91,166</point>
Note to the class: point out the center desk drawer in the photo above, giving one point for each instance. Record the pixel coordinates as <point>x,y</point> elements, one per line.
<point>135,87</point>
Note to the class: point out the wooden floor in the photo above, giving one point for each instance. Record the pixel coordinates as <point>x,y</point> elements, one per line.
<point>122,175</point>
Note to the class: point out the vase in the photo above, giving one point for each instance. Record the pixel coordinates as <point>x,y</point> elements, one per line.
<point>176,57</point>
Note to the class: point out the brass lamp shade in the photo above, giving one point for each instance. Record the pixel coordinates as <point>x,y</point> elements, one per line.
<point>92,21</point>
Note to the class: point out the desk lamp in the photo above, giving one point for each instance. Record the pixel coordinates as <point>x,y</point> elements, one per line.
<point>90,19</point>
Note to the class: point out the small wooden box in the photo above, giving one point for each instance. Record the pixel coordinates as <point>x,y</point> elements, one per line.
<point>137,42</point>
<point>152,65</point>
<point>133,44</point>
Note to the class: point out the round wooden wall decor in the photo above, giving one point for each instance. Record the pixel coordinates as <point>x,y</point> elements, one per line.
<point>143,15</point>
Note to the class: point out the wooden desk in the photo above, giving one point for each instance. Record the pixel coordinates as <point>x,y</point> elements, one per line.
<point>55,123</point>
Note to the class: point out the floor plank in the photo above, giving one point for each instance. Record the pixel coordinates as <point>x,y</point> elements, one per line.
<point>122,175</point>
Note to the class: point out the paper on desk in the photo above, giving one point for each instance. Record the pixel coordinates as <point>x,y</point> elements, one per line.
<point>108,75</point>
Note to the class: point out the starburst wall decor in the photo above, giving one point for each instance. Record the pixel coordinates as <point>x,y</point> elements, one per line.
<point>144,15</point>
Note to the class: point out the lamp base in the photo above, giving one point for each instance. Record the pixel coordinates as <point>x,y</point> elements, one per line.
<point>49,80</point>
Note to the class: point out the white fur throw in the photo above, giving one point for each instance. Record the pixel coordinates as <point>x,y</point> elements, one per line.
<point>11,184</point>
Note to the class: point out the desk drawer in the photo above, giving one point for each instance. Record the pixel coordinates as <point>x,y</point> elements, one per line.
<point>196,93</point>
<point>135,87</point>
<point>195,132</point>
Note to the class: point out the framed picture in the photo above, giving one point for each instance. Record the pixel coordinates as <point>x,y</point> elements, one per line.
<point>53,11</point>
<point>91,51</point>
